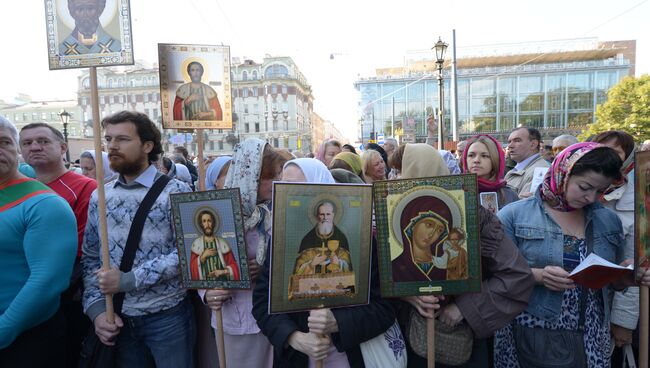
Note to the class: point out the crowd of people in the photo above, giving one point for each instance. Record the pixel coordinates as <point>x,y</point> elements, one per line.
<point>52,300</point>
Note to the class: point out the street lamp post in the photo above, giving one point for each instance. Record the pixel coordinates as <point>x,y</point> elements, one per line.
<point>440,48</point>
<point>65,118</point>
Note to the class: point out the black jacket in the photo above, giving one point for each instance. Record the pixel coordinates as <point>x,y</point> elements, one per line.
<point>356,324</point>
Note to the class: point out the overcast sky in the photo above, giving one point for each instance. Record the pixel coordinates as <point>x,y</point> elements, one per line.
<point>362,35</point>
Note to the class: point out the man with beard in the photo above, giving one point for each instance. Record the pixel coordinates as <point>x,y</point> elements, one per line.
<point>324,249</point>
<point>196,100</point>
<point>88,36</point>
<point>156,323</point>
<point>44,147</point>
<point>211,258</point>
<point>37,250</point>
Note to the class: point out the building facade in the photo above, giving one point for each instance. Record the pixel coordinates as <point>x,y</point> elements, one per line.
<point>554,86</point>
<point>271,101</point>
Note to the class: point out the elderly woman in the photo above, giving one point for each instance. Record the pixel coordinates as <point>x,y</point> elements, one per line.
<point>507,279</point>
<point>87,164</point>
<point>332,335</point>
<point>215,176</point>
<point>255,165</point>
<point>374,167</point>
<point>625,312</point>
<point>328,150</point>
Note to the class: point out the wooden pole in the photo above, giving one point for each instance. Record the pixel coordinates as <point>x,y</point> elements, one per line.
<point>431,346</point>
<point>643,328</point>
<point>101,196</point>
<point>221,348</point>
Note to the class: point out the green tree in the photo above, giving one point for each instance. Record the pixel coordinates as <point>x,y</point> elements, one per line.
<point>627,108</point>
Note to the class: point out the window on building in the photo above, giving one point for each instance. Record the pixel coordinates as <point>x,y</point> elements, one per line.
<point>146,97</point>
<point>275,125</point>
<point>133,99</point>
<point>244,75</point>
<point>286,142</point>
<point>274,89</point>
<point>245,92</point>
<point>276,71</point>
<point>276,142</point>
<point>255,92</point>
<point>16,117</point>
<point>44,116</point>
<point>155,113</point>
<point>246,108</point>
<point>246,128</point>
<point>257,127</point>
<point>220,143</point>
<point>54,115</point>
<point>34,116</point>
<point>254,75</point>
<point>284,89</point>
<point>211,145</point>
<point>86,83</point>
<point>102,100</point>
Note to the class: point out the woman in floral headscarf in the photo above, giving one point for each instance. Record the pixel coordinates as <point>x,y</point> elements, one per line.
<point>254,167</point>
<point>554,231</point>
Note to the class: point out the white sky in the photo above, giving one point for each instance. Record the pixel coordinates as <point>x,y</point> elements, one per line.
<point>363,35</point>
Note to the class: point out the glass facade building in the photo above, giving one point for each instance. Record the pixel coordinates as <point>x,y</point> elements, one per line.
<point>555,92</point>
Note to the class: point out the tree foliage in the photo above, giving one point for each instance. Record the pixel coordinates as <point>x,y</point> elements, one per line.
<point>627,108</point>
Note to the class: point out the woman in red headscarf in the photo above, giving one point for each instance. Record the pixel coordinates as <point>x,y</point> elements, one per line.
<point>485,158</point>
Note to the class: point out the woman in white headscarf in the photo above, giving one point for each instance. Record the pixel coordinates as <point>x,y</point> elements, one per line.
<point>254,167</point>
<point>88,168</point>
<point>332,335</point>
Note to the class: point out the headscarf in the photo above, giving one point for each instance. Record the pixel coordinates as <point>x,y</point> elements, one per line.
<point>320,155</point>
<point>485,185</point>
<point>420,160</point>
<point>353,160</point>
<point>212,174</point>
<point>314,170</point>
<point>244,173</point>
<point>344,176</point>
<point>183,174</point>
<point>553,188</point>
<point>109,174</point>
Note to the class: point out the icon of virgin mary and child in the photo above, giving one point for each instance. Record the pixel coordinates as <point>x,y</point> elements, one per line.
<point>432,243</point>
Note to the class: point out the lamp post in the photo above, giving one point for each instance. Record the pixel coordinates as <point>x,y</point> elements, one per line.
<point>65,118</point>
<point>440,48</point>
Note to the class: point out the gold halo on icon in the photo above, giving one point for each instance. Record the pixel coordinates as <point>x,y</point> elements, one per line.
<point>325,197</point>
<point>206,69</point>
<point>217,220</point>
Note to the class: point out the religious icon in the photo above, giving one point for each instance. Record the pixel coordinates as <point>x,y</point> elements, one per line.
<point>642,208</point>
<point>210,239</point>
<point>195,86</point>
<point>490,202</point>
<point>85,33</point>
<point>321,246</point>
<point>427,232</point>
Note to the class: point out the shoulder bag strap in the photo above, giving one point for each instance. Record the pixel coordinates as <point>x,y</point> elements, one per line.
<point>135,232</point>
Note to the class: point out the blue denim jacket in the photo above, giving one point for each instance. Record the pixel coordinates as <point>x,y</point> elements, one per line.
<point>540,240</point>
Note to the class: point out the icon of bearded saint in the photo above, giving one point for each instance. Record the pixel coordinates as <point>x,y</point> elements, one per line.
<point>211,258</point>
<point>324,249</point>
